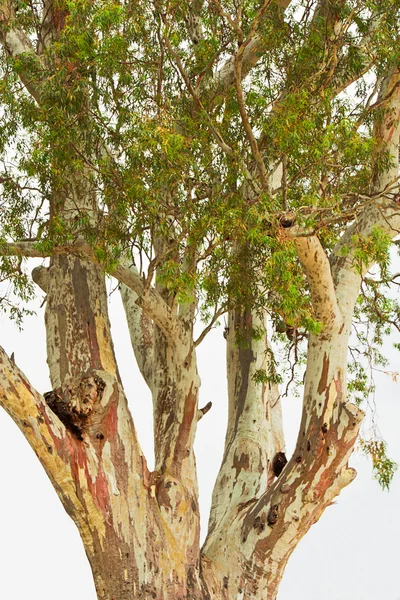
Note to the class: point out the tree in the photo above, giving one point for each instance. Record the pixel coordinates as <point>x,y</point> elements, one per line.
<point>210,157</point>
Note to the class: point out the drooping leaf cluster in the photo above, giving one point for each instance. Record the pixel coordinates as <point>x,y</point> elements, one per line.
<point>383,467</point>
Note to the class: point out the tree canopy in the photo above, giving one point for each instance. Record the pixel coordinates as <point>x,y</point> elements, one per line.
<point>203,131</point>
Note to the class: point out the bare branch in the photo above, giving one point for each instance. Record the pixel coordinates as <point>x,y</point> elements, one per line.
<point>203,411</point>
<point>238,68</point>
<point>27,249</point>
<point>316,266</point>
<point>217,314</point>
<point>140,330</point>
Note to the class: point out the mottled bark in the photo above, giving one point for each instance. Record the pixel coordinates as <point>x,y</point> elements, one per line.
<point>141,529</point>
<point>254,433</point>
<point>106,488</point>
<point>140,331</point>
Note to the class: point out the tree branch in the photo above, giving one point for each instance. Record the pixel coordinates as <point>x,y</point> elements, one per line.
<point>254,433</point>
<point>384,213</point>
<point>193,21</point>
<point>140,330</point>
<point>148,298</point>
<point>44,432</point>
<point>238,70</point>
<point>317,269</point>
<point>17,43</point>
<point>265,530</point>
<point>224,79</point>
<point>270,529</point>
<point>218,312</point>
<point>346,75</point>
<point>152,304</point>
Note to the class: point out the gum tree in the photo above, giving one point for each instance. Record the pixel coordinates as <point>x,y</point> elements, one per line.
<point>218,157</point>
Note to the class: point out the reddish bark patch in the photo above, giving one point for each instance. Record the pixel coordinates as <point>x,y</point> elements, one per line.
<point>181,447</point>
<point>338,383</point>
<point>100,491</point>
<point>324,483</point>
<point>76,456</point>
<point>323,382</point>
<point>109,424</point>
<point>146,474</point>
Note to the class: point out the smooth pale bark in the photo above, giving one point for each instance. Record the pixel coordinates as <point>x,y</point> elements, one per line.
<point>105,486</point>
<point>263,529</point>
<point>16,43</point>
<point>140,331</point>
<point>169,366</point>
<point>262,536</point>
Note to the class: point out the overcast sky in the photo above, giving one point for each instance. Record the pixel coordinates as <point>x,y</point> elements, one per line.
<point>352,553</point>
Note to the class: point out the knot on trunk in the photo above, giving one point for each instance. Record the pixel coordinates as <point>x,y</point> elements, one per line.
<point>74,402</point>
<point>278,463</point>
<point>273,515</point>
<point>40,276</point>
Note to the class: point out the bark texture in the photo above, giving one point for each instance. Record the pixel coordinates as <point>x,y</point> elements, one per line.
<point>141,529</point>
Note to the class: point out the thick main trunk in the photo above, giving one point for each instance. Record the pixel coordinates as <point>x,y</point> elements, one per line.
<point>141,529</point>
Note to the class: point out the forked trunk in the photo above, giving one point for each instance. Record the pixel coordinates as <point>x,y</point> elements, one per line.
<point>141,529</point>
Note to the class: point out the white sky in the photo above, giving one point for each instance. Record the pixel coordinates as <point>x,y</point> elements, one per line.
<point>352,553</point>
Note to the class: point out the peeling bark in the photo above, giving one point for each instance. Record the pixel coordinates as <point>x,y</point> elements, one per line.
<point>253,438</point>
<point>264,531</point>
<point>141,529</point>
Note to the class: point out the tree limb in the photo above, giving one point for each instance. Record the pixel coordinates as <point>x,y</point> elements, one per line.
<point>193,21</point>
<point>44,432</point>
<point>140,330</point>
<point>152,303</point>
<point>317,269</point>
<point>346,75</point>
<point>270,529</point>
<point>224,79</point>
<point>265,530</point>
<point>254,433</point>
<point>16,43</point>
<point>384,213</point>
<point>238,76</point>
<point>148,299</point>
